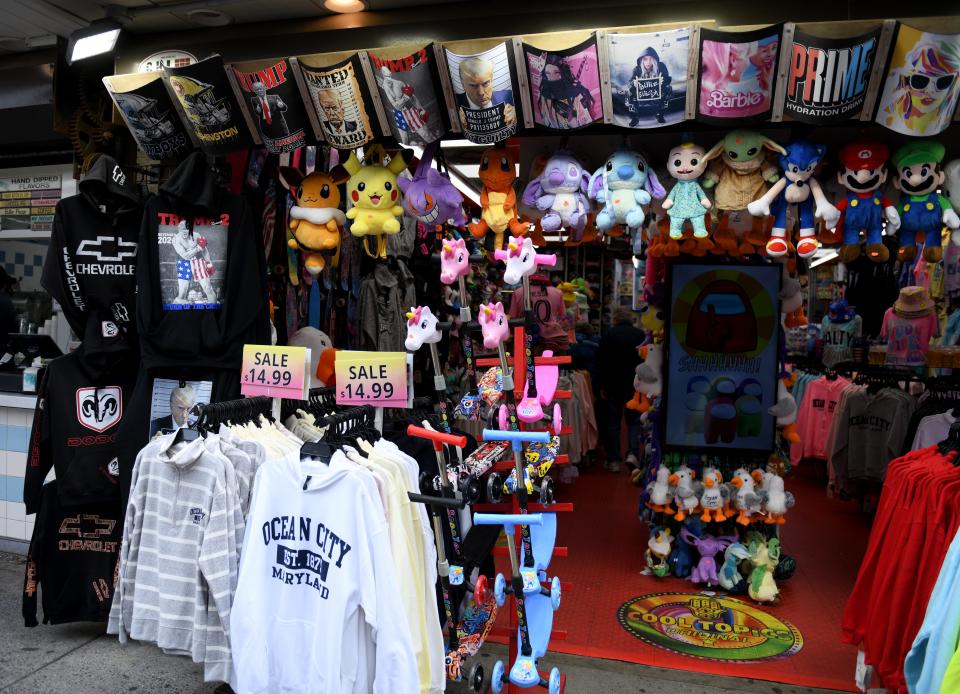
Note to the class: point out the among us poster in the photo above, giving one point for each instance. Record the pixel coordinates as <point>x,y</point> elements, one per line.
<point>274,104</point>
<point>484,92</point>
<point>722,356</point>
<point>738,72</point>
<point>564,85</point>
<point>920,91</point>
<point>648,77</point>
<point>411,97</point>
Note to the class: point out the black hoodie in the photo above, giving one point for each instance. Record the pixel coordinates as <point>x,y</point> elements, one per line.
<point>80,404</point>
<point>91,261</point>
<point>202,274</point>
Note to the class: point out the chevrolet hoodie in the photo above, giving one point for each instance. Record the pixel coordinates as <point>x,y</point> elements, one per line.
<point>202,274</point>
<point>93,248</point>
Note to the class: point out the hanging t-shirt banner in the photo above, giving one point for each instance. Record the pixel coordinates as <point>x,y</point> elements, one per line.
<point>484,91</point>
<point>564,86</point>
<point>648,77</point>
<point>920,91</point>
<point>148,111</point>
<point>209,104</point>
<point>828,79</point>
<point>414,104</point>
<point>722,356</point>
<point>274,104</point>
<point>339,98</point>
<point>738,72</point>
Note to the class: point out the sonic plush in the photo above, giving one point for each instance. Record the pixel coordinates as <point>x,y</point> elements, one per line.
<point>623,185</point>
<point>922,208</point>
<point>796,187</point>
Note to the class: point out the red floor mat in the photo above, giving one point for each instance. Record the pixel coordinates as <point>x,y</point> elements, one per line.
<point>606,542</point>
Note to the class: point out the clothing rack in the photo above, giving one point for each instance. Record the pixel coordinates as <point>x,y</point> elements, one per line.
<point>319,401</point>
<point>211,415</point>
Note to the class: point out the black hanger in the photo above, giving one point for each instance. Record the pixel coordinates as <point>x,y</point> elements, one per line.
<point>951,444</point>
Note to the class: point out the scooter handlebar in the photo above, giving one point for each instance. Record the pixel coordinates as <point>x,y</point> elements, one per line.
<point>507,519</point>
<point>437,437</point>
<point>516,436</point>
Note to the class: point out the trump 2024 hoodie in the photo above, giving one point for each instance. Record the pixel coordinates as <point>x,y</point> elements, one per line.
<point>201,274</point>
<point>315,610</point>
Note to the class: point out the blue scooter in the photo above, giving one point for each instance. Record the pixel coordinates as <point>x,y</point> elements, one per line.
<point>535,607</point>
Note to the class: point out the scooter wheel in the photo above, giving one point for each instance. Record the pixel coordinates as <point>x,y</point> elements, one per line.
<point>476,678</point>
<point>471,490</point>
<point>481,590</point>
<point>555,593</point>
<point>494,488</point>
<point>546,490</point>
<point>557,419</point>
<point>500,590</point>
<point>427,482</point>
<point>503,418</point>
<point>496,681</point>
<point>553,684</point>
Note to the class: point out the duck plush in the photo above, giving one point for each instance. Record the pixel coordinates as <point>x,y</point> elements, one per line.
<point>660,492</point>
<point>778,499</point>
<point>746,500</point>
<point>786,411</point>
<point>685,494</point>
<point>648,381</point>
<point>713,497</point>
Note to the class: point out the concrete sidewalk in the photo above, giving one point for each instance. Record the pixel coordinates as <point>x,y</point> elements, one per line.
<point>82,659</point>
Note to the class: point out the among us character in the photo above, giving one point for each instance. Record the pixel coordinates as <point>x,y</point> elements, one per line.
<point>923,210</point>
<point>649,66</point>
<point>182,400</point>
<point>722,320</point>
<point>334,114</point>
<point>476,76</point>
<point>269,110</point>
<point>194,265</point>
<point>864,208</point>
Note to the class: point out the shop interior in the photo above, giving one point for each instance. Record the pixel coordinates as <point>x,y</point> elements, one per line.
<point>739,436</point>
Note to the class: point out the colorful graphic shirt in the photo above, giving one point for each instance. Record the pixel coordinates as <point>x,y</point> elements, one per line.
<point>908,339</point>
<point>838,339</point>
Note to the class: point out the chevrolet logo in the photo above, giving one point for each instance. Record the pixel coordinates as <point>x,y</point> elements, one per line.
<point>88,526</point>
<point>108,248</point>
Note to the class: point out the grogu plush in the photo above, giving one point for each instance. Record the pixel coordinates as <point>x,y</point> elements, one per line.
<point>739,172</point>
<point>373,189</point>
<point>316,219</point>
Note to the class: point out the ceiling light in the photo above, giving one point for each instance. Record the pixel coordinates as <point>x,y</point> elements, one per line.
<point>208,18</point>
<point>96,39</point>
<point>345,6</point>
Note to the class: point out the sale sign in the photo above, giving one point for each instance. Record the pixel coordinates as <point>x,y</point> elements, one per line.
<point>372,378</point>
<point>277,372</point>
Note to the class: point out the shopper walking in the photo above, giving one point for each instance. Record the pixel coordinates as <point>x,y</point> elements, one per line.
<point>617,360</point>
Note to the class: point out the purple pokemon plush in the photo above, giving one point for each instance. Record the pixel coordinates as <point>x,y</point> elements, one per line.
<point>709,547</point>
<point>560,193</point>
<point>429,195</point>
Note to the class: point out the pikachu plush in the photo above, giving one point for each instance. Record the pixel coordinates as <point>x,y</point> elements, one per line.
<point>375,194</point>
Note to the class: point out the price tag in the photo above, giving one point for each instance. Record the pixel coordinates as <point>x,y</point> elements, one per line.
<point>277,372</point>
<point>372,378</point>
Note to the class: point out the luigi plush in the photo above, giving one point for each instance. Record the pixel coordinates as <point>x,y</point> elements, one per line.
<point>922,208</point>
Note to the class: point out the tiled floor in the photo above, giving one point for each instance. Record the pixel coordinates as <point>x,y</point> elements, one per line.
<point>14,436</point>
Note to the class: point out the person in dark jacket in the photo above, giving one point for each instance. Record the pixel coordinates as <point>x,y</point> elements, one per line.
<point>617,360</point>
<point>649,66</point>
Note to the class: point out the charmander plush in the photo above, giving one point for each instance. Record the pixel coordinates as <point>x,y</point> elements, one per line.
<point>498,171</point>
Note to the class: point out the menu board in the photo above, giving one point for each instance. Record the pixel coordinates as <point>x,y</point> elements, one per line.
<point>27,202</point>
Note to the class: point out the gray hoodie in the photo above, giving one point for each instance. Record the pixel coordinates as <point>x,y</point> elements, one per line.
<point>179,557</point>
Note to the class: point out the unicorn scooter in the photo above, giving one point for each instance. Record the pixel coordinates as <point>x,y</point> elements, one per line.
<point>455,266</point>
<point>466,635</point>
<point>521,261</point>
<point>535,608</point>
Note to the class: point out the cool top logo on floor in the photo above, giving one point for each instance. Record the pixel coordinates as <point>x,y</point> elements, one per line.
<point>709,627</point>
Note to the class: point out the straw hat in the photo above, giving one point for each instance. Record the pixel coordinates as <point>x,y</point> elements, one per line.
<point>914,302</point>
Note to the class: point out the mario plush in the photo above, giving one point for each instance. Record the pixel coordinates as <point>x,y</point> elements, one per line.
<point>863,207</point>
<point>922,208</point>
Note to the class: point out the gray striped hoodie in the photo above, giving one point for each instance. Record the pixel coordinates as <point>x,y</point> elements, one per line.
<point>179,557</point>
